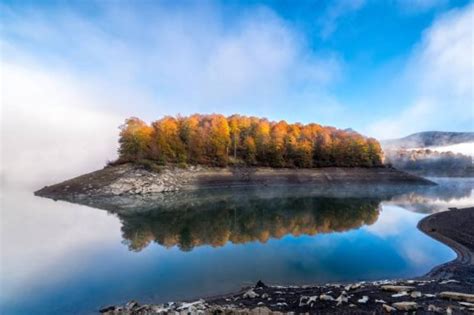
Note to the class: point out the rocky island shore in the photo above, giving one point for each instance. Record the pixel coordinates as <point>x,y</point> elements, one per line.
<point>132,179</point>
<point>447,289</point>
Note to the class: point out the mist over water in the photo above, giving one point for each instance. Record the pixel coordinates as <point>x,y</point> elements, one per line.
<point>63,258</point>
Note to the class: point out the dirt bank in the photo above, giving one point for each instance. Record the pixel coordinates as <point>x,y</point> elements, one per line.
<point>447,289</point>
<point>128,179</point>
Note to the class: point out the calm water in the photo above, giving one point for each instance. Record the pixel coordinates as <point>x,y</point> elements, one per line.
<point>59,258</point>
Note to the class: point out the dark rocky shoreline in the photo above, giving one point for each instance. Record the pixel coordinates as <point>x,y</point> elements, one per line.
<point>448,288</point>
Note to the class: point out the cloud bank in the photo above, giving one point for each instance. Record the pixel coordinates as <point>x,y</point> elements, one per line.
<point>440,77</point>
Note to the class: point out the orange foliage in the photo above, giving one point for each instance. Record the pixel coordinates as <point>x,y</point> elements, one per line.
<point>220,141</point>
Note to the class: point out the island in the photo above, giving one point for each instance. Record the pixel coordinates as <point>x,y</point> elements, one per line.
<point>213,152</point>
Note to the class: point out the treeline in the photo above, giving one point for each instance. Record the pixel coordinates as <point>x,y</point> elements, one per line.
<point>220,141</point>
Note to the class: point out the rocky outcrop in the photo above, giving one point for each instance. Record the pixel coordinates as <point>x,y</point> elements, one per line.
<point>129,179</point>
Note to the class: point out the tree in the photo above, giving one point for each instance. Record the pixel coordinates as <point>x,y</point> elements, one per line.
<point>134,140</point>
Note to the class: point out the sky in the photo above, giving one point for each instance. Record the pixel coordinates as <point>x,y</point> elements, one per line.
<point>72,71</point>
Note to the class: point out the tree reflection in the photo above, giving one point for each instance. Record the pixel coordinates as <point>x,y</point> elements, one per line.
<point>246,220</point>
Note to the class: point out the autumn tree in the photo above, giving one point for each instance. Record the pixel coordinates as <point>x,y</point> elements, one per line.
<point>218,140</point>
<point>134,140</point>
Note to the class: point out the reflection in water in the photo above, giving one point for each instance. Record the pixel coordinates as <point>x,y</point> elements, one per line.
<point>448,193</point>
<point>64,258</point>
<point>245,220</point>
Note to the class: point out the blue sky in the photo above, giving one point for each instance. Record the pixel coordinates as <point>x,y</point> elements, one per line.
<point>384,68</point>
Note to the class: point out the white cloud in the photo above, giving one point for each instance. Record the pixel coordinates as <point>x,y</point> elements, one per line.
<point>441,74</point>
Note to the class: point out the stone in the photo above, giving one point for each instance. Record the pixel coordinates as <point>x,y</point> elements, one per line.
<point>415,294</point>
<point>364,299</point>
<point>457,296</point>
<point>107,309</point>
<point>434,308</point>
<point>467,304</point>
<point>260,284</point>
<point>326,297</point>
<point>397,288</point>
<point>250,294</point>
<point>388,308</point>
<point>397,295</point>
<point>405,306</point>
<point>342,299</point>
<point>131,305</point>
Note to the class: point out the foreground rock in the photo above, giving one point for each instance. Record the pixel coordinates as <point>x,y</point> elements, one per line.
<point>448,289</point>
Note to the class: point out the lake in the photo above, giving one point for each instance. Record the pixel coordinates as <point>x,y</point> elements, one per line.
<point>60,258</point>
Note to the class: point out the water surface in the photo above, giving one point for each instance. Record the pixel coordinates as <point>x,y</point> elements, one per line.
<point>59,257</point>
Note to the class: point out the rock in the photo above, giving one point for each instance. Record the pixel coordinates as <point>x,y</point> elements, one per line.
<point>250,294</point>
<point>434,308</point>
<point>380,301</point>
<point>467,304</point>
<point>457,296</point>
<point>107,309</point>
<point>397,288</point>
<point>260,285</point>
<point>449,281</point>
<point>415,294</point>
<point>131,305</point>
<point>397,295</point>
<point>388,308</point>
<point>326,297</point>
<point>430,295</point>
<point>342,298</point>
<point>405,306</point>
<point>364,299</point>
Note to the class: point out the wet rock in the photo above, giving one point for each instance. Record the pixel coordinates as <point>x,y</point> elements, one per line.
<point>457,296</point>
<point>397,288</point>
<point>388,308</point>
<point>416,294</point>
<point>405,306</point>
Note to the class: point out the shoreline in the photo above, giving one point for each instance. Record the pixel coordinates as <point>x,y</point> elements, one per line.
<point>446,288</point>
<point>133,180</point>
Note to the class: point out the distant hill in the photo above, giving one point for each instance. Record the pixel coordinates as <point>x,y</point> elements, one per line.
<point>429,139</point>
<point>432,153</point>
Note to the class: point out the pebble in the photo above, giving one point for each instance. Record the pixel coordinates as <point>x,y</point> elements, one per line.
<point>364,299</point>
<point>415,294</point>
